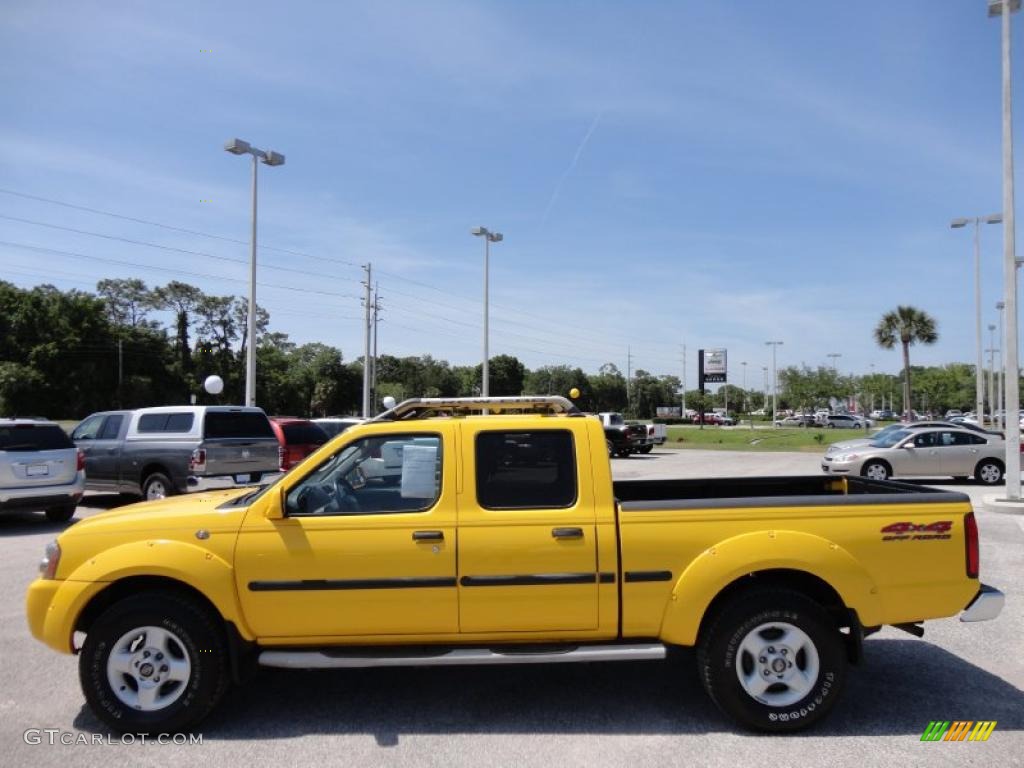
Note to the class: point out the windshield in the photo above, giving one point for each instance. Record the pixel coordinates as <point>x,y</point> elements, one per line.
<point>888,441</point>
<point>615,420</point>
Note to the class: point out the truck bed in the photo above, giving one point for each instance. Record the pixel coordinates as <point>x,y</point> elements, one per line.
<point>808,490</point>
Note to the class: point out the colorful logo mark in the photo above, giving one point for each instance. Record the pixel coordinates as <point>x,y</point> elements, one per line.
<point>958,730</point>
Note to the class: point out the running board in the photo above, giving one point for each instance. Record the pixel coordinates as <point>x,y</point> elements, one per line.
<point>337,658</point>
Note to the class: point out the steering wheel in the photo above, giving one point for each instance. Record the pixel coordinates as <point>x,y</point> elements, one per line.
<point>345,495</point>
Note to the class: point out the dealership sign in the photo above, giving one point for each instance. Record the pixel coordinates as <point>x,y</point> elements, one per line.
<point>713,367</point>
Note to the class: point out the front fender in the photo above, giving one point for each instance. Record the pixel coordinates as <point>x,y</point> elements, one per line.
<point>719,566</point>
<point>199,568</point>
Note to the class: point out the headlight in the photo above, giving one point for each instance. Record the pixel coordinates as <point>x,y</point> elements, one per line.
<point>48,565</point>
<point>846,457</point>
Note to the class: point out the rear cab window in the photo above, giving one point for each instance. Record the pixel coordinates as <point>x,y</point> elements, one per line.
<point>231,424</point>
<point>33,437</point>
<point>303,434</point>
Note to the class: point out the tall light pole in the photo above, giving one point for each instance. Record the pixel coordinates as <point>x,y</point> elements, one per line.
<point>765,369</point>
<point>834,356</point>
<point>489,237</point>
<point>979,383</point>
<point>775,379</point>
<point>1004,9</point>
<point>271,158</point>
<point>1001,370</point>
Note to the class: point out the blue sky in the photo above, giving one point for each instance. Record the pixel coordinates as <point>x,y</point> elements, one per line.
<point>708,173</point>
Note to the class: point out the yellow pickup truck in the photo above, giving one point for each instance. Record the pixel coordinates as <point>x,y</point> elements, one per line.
<point>497,536</point>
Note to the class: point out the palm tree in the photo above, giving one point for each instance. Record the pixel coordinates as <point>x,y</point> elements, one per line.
<point>907,325</point>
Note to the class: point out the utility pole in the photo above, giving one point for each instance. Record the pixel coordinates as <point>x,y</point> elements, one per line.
<point>120,371</point>
<point>992,374</point>
<point>682,414</point>
<point>775,378</point>
<point>629,377</point>
<point>368,283</point>
<point>1001,371</point>
<point>373,369</point>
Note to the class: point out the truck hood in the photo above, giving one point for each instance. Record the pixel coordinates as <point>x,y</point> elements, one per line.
<point>192,510</point>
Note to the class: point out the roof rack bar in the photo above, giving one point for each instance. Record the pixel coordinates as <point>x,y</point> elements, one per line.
<point>421,407</point>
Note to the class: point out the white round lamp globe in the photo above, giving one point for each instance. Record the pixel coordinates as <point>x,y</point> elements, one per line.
<point>214,385</point>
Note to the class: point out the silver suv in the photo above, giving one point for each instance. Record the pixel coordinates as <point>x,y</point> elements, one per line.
<point>40,468</point>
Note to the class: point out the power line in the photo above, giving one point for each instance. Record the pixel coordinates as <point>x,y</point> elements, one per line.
<point>173,249</point>
<point>177,271</point>
<point>184,230</point>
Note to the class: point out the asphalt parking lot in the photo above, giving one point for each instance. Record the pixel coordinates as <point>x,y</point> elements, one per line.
<point>637,714</point>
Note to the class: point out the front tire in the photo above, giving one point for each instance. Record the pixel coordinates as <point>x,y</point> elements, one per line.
<point>153,662</point>
<point>774,660</point>
<point>876,470</point>
<point>989,472</point>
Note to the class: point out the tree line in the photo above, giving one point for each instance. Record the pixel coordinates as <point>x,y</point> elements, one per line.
<point>64,354</point>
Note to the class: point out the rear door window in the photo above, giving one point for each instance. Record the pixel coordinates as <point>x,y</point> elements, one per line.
<point>224,424</point>
<point>33,437</point>
<point>525,470</point>
<point>111,427</point>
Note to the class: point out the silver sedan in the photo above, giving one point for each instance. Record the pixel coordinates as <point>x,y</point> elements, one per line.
<point>923,453</point>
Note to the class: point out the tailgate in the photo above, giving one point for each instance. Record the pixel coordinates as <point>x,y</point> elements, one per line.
<point>29,469</point>
<point>241,455</point>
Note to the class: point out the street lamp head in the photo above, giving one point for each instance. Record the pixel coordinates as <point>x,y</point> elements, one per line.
<point>273,158</point>
<point>237,146</point>
<point>995,7</point>
<point>479,231</point>
<point>995,218</point>
<point>991,326</point>
<point>1000,305</point>
<point>957,223</point>
<point>495,237</point>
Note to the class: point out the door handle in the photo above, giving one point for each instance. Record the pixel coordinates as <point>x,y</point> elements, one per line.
<point>567,533</point>
<point>428,535</point>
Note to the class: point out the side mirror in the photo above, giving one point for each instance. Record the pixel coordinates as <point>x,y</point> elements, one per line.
<point>274,510</point>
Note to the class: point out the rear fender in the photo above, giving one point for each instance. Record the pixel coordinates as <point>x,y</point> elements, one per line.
<point>719,566</point>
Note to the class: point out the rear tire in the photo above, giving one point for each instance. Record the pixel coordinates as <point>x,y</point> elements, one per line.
<point>61,514</point>
<point>989,472</point>
<point>774,660</point>
<point>140,638</point>
<point>157,486</point>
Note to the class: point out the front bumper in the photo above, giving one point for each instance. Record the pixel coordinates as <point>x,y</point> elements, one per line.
<point>985,605</point>
<point>831,467</point>
<point>52,607</point>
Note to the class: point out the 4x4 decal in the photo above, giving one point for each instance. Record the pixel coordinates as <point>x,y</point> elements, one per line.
<point>918,531</point>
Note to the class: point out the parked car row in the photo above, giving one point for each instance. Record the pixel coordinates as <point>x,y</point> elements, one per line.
<point>921,449</point>
<point>825,419</point>
<point>150,452</point>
